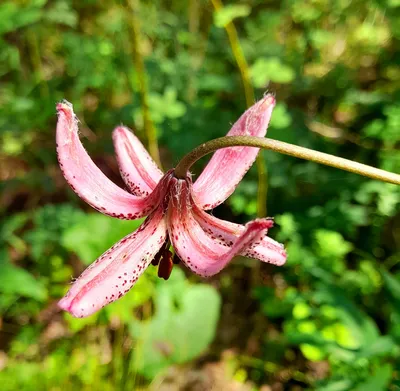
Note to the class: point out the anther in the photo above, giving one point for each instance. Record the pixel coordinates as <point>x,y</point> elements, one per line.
<point>157,257</point>
<point>176,259</point>
<point>166,265</point>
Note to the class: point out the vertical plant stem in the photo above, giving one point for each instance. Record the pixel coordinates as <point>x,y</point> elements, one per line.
<point>262,189</point>
<point>117,356</point>
<point>149,128</point>
<point>250,98</point>
<point>36,60</point>
<point>194,20</point>
<point>239,56</point>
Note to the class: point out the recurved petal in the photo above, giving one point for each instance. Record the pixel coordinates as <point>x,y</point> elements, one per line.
<point>226,232</point>
<point>228,166</point>
<point>116,271</point>
<point>202,253</point>
<point>87,180</point>
<point>137,168</point>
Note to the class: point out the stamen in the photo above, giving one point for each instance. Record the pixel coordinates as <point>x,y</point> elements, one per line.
<point>166,265</point>
<point>176,260</point>
<point>157,258</point>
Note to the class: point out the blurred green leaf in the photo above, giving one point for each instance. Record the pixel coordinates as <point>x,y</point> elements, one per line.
<point>379,380</point>
<point>340,385</point>
<point>163,107</point>
<point>123,308</point>
<point>301,310</point>
<point>78,324</point>
<point>61,12</point>
<point>361,326</point>
<point>281,117</point>
<point>183,325</point>
<point>331,244</point>
<point>50,222</point>
<point>272,69</point>
<point>14,16</point>
<point>229,12</point>
<point>95,234</point>
<point>17,281</point>
<point>393,285</point>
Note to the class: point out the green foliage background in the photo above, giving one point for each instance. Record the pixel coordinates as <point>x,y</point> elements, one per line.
<point>329,319</point>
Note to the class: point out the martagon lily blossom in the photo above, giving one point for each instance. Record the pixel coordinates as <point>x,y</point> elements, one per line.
<point>175,210</point>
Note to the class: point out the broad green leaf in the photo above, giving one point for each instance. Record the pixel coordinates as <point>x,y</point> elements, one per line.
<point>183,325</point>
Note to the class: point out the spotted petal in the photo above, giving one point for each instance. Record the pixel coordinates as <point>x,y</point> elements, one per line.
<point>203,254</point>
<point>138,169</point>
<point>228,166</point>
<point>117,270</point>
<point>87,180</point>
<point>267,250</point>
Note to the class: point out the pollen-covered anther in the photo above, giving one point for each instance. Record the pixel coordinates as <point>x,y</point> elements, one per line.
<point>166,265</point>
<point>156,260</point>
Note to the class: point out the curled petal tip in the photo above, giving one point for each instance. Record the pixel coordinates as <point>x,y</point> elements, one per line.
<point>139,172</point>
<point>280,257</point>
<point>260,224</point>
<point>88,181</point>
<point>80,310</point>
<point>203,246</point>
<point>211,188</point>
<point>267,249</point>
<point>119,131</point>
<point>65,303</point>
<point>65,106</point>
<point>267,101</point>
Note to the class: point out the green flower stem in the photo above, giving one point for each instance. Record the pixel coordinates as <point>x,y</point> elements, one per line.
<point>140,70</point>
<point>250,99</point>
<point>239,56</point>
<point>287,149</point>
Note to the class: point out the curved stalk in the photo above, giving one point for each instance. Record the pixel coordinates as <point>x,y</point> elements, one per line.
<point>287,149</point>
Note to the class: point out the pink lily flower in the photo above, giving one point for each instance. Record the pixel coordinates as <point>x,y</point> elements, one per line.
<point>175,209</point>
